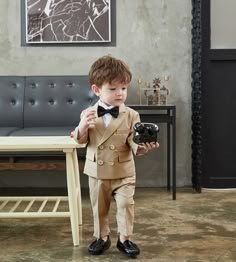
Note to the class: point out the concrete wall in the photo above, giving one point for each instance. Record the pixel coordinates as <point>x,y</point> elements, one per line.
<point>153,37</point>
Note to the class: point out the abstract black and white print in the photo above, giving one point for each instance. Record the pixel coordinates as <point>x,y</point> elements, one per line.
<point>68,21</point>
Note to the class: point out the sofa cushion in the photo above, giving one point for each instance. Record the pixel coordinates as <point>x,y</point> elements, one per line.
<point>11,102</point>
<point>54,101</point>
<point>6,131</point>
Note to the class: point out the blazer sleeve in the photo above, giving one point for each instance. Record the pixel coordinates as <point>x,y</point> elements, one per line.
<point>83,140</point>
<point>135,119</point>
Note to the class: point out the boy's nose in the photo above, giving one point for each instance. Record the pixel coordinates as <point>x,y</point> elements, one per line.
<point>119,92</point>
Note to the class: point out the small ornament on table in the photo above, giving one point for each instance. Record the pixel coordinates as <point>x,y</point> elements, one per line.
<point>156,90</point>
<point>164,92</point>
<point>140,81</point>
<point>155,95</point>
<point>146,92</point>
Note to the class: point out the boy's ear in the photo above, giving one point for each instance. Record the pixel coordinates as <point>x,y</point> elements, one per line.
<point>96,90</point>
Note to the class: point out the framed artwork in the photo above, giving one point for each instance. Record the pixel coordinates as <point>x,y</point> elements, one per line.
<point>68,21</point>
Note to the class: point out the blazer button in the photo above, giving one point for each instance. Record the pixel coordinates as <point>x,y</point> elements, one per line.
<point>100,162</point>
<point>101,147</point>
<point>111,163</point>
<point>112,147</point>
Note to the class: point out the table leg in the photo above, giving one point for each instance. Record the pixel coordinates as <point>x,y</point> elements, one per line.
<point>77,185</point>
<point>168,155</point>
<point>174,153</point>
<point>72,197</point>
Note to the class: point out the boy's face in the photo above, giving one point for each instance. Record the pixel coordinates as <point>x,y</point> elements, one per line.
<point>111,94</point>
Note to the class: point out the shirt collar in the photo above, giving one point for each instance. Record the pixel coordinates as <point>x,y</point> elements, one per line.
<point>100,103</point>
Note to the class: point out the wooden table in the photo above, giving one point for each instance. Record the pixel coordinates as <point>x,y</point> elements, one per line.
<point>46,143</point>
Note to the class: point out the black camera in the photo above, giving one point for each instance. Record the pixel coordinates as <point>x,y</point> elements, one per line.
<point>145,132</point>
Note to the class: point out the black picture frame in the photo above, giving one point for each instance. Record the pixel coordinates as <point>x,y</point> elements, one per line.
<point>77,33</point>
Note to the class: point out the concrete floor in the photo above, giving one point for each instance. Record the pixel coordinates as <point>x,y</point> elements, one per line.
<point>195,227</point>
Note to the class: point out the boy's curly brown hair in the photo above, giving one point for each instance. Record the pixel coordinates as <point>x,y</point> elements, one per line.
<point>108,69</point>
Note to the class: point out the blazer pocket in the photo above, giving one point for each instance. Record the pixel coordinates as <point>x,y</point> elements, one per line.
<point>124,156</point>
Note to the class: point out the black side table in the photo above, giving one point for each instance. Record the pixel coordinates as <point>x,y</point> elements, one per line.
<point>163,114</point>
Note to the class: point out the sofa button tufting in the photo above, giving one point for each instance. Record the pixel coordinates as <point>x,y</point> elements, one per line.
<point>71,84</point>
<point>32,102</point>
<point>52,85</point>
<point>51,102</point>
<point>15,85</point>
<point>13,102</point>
<point>34,85</point>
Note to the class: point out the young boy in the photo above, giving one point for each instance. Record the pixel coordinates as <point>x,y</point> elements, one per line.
<point>109,159</point>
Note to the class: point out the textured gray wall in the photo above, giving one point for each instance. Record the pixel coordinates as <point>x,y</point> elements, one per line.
<point>153,37</point>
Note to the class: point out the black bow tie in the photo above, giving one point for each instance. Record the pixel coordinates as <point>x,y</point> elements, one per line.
<point>113,111</point>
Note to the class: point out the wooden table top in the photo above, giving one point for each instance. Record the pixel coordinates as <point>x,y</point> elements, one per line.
<point>27,143</point>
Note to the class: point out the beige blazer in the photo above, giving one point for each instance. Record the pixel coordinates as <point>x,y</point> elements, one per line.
<point>109,150</point>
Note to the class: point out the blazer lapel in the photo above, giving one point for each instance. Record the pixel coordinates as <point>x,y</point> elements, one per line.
<point>114,124</point>
<point>99,124</point>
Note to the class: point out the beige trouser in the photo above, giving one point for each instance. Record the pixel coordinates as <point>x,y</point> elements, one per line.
<point>101,194</point>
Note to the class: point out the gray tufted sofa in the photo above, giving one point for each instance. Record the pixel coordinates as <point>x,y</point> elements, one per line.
<point>42,105</point>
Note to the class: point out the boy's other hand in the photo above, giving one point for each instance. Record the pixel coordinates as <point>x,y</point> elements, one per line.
<point>86,119</point>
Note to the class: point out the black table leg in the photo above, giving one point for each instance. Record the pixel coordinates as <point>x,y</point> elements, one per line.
<point>174,153</point>
<point>168,153</point>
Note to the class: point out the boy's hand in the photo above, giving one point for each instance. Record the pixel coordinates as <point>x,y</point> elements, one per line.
<point>145,147</point>
<point>152,145</point>
<point>86,119</point>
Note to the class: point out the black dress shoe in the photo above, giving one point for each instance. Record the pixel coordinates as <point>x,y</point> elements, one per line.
<point>97,247</point>
<point>128,248</point>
